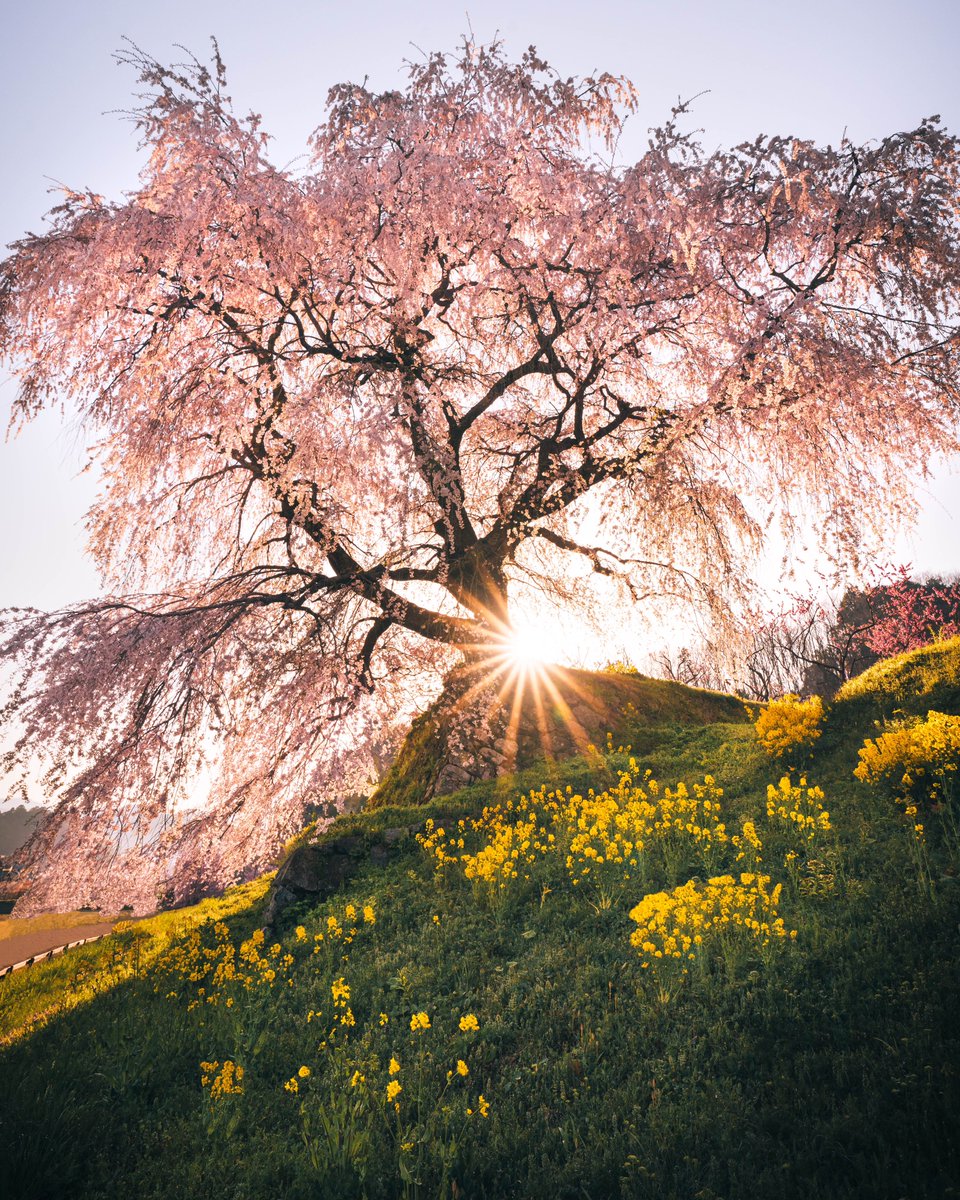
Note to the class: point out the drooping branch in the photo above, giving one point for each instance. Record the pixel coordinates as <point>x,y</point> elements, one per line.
<point>333,409</point>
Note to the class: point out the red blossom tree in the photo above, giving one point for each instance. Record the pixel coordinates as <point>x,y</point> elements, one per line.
<point>912,613</point>
<point>814,645</point>
<point>342,414</point>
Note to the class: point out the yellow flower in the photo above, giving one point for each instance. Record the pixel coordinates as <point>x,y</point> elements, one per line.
<point>229,1082</point>
<point>469,1023</point>
<point>357,1079</point>
<point>671,924</point>
<point>483,1105</point>
<point>393,1089</point>
<point>301,933</point>
<point>394,1066</point>
<point>419,1021</point>
<point>369,916</point>
<point>304,1072</point>
<point>340,990</point>
<point>788,723</point>
<point>462,1068</point>
<point>292,1086</point>
<point>384,1018</point>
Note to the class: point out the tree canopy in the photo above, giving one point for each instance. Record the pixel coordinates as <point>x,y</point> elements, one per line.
<point>343,413</point>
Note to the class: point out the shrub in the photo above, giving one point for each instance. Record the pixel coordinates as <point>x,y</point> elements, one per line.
<point>787,724</point>
<point>917,758</point>
<point>678,925</point>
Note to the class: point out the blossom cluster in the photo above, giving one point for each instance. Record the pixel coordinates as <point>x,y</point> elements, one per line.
<point>798,807</point>
<point>789,724</point>
<point>917,757</point>
<point>602,838</point>
<point>223,1079</point>
<point>677,924</point>
<point>222,969</point>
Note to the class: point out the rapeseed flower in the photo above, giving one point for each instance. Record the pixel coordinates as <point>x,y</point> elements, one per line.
<point>788,724</point>
<point>675,925</point>
<point>914,756</point>
<point>601,838</point>
<point>800,808</point>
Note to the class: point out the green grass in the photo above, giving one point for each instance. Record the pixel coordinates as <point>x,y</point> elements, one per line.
<point>910,684</point>
<point>827,1067</point>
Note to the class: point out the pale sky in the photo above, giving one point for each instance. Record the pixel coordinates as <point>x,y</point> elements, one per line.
<point>813,69</point>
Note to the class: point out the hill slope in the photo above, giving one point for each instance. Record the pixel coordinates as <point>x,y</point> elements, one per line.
<point>486,1026</point>
<point>551,713</point>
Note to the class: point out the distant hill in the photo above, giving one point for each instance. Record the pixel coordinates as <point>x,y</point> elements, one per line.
<point>16,826</point>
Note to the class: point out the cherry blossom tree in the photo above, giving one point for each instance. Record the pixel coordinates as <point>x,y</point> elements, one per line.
<point>912,613</point>
<point>344,414</point>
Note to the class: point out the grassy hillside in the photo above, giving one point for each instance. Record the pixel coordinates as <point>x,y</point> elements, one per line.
<point>472,1022</point>
<point>556,721</point>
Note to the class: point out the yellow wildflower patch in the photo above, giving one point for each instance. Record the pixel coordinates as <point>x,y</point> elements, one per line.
<point>601,838</point>
<point>798,807</point>
<point>788,724</point>
<point>915,757</point>
<point>222,1079</point>
<point>676,925</point>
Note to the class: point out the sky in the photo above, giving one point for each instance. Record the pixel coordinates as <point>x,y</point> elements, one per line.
<point>813,70</point>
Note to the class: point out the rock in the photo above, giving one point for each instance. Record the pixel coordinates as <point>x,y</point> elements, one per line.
<point>313,871</point>
<point>379,855</point>
<point>316,871</point>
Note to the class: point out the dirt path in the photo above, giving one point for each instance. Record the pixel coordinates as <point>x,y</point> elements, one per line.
<point>26,945</point>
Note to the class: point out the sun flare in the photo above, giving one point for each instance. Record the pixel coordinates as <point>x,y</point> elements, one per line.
<point>529,648</point>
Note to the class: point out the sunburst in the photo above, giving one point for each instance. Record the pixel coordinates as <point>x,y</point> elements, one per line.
<point>514,674</point>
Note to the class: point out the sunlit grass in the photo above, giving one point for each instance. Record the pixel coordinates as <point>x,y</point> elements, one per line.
<point>913,674</point>
<point>47,990</point>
